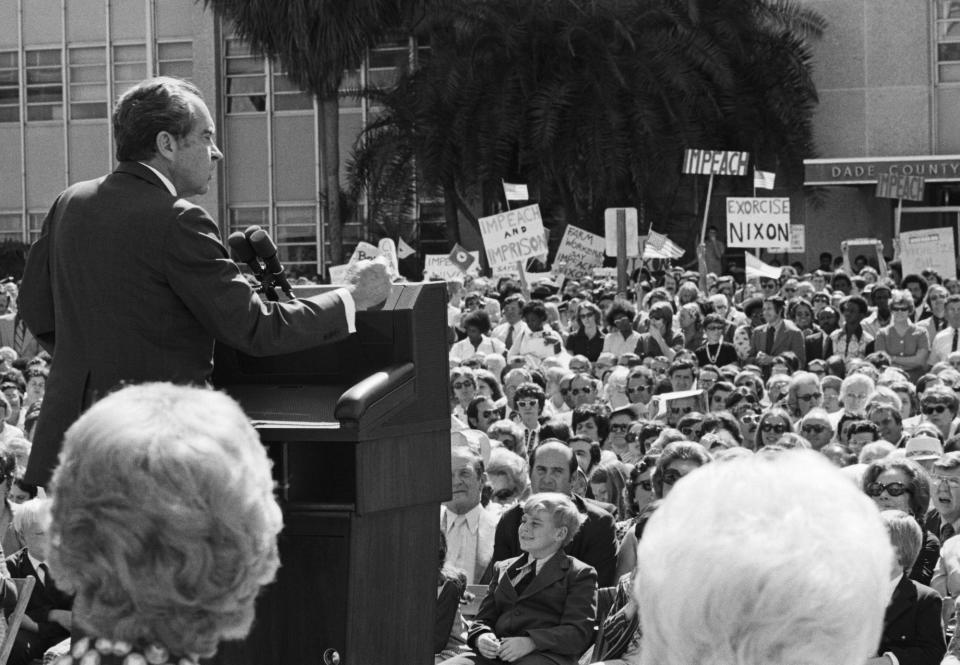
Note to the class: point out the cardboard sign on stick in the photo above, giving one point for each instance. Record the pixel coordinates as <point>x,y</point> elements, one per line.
<point>579,252</point>
<point>514,235</point>
<point>758,222</point>
<point>440,266</point>
<point>929,248</point>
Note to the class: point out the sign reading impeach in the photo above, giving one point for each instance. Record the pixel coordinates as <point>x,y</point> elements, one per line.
<point>758,222</point>
<point>514,235</point>
<point>715,162</point>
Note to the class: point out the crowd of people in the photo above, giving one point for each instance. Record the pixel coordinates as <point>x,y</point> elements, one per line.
<point>610,398</point>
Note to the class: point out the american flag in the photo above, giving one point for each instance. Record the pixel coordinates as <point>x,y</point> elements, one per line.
<point>659,246</point>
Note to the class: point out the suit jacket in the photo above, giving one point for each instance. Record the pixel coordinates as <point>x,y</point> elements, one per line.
<point>486,532</point>
<point>129,283</point>
<point>557,610</point>
<point>45,597</point>
<point>787,338</point>
<point>912,630</point>
<point>595,543</point>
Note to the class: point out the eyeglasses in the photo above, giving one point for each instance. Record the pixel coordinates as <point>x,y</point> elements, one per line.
<point>646,485</point>
<point>930,410</point>
<point>749,418</point>
<point>527,403</point>
<point>688,431</point>
<point>815,429</point>
<point>671,476</point>
<point>620,427</point>
<point>680,409</point>
<point>893,489</point>
<point>811,396</point>
<point>585,390</point>
<point>768,285</point>
<point>491,413</point>
<point>459,385</point>
<point>638,389</point>
<point>779,428</point>
<point>899,308</point>
<point>715,328</point>
<point>952,482</point>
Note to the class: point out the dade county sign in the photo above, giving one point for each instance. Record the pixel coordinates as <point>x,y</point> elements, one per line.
<point>758,222</point>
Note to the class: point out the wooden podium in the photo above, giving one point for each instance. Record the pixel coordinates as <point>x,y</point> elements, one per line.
<point>359,434</point>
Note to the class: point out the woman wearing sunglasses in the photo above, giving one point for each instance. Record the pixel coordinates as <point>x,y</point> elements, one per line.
<point>938,406</point>
<point>901,484</point>
<point>742,403</point>
<point>907,343</point>
<point>677,460</point>
<point>639,494</point>
<point>463,388</point>
<point>773,424</point>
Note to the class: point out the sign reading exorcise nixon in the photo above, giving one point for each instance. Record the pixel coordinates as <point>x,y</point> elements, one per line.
<point>758,222</point>
<point>514,235</point>
<point>715,162</point>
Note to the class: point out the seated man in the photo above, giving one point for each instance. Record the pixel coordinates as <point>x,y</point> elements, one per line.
<point>468,527</point>
<point>542,606</point>
<point>48,617</point>
<point>552,470</point>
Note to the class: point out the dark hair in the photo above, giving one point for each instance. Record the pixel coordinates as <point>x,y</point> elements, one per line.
<point>536,308</point>
<point>619,308</point>
<point>679,366</point>
<point>530,389</point>
<point>791,360</point>
<point>918,482</point>
<point>478,319</point>
<point>161,104</point>
<point>724,420</point>
<point>779,304</point>
<point>555,429</point>
<point>474,407</point>
<point>860,426</point>
<point>597,412</point>
<point>879,359</point>
<point>913,277</point>
<point>644,517</point>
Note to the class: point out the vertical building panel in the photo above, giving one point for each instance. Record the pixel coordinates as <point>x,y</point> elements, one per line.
<point>294,145</point>
<point>88,150</point>
<point>86,21</point>
<point>9,24</point>
<point>44,161</point>
<point>245,154</point>
<point>41,22</point>
<point>351,124</point>
<point>178,18</point>
<point>128,20</point>
<point>10,173</point>
<point>948,120</point>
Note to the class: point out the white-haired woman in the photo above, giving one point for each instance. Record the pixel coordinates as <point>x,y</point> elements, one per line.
<point>164,524</point>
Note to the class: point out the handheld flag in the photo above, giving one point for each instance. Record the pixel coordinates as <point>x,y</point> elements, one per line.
<point>763,179</point>
<point>513,192</point>
<point>757,268</point>
<point>659,246</point>
<point>403,249</point>
<point>461,258</point>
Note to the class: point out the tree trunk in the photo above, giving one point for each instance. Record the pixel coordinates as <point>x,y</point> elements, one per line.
<point>450,212</point>
<point>329,141</point>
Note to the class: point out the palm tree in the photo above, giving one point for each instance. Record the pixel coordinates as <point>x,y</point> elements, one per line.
<point>316,41</point>
<point>593,102</point>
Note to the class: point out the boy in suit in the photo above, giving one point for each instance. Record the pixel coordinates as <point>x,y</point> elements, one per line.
<point>542,608</point>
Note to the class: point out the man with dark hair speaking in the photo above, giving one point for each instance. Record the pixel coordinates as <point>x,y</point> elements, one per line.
<point>130,282</point>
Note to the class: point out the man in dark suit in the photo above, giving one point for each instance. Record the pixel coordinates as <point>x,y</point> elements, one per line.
<point>130,282</point>
<point>775,336</point>
<point>595,544</point>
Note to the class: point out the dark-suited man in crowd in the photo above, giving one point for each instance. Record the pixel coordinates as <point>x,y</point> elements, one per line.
<point>595,544</point>
<point>776,335</point>
<point>130,282</point>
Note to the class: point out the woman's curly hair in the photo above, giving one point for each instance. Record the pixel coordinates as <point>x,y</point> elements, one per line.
<point>164,518</point>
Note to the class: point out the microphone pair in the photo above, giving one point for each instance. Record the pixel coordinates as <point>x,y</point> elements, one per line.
<point>253,245</point>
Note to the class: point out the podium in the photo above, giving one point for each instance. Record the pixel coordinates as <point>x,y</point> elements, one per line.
<point>359,435</point>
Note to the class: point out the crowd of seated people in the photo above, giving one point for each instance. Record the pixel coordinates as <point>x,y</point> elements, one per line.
<point>613,398</point>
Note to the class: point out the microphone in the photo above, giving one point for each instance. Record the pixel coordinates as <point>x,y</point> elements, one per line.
<point>241,251</point>
<point>266,249</point>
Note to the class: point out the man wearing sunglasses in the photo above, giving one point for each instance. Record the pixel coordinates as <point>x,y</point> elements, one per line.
<point>583,390</point>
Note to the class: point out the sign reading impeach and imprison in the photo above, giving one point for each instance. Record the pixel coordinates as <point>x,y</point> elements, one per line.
<point>514,235</point>
<point>758,222</point>
<point>715,162</point>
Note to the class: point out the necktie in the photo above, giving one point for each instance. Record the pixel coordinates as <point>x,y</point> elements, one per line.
<point>19,330</point>
<point>771,331</point>
<point>43,573</point>
<point>954,346</point>
<point>947,531</point>
<point>509,340</point>
<point>525,576</point>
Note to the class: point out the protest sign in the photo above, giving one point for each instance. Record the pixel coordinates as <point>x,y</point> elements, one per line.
<point>929,248</point>
<point>611,217</point>
<point>716,162</point>
<point>389,249</point>
<point>364,251</point>
<point>440,266</point>
<point>798,238</point>
<point>894,186</point>
<point>461,258</point>
<point>579,252</point>
<point>338,274</point>
<point>758,222</point>
<point>513,236</point>
<point>404,250</point>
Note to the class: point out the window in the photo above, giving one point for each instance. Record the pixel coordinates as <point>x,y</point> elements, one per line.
<point>129,66</point>
<point>44,84</point>
<point>9,86</point>
<point>11,226</point>
<point>35,224</point>
<point>948,41</point>
<point>386,61</point>
<point>88,82</point>
<point>296,239</point>
<point>246,79</point>
<point>287,96</point>
<point>242,217</point>
<point>175,59</point>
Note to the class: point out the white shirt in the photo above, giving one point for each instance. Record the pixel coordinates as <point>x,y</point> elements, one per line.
<point>942,346</point>
<point>464,350</point>
<point>615,343</point>
<point>533,345</point>
<point>501,331</point>
<point>463,533</point>
<point>349,306</point>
